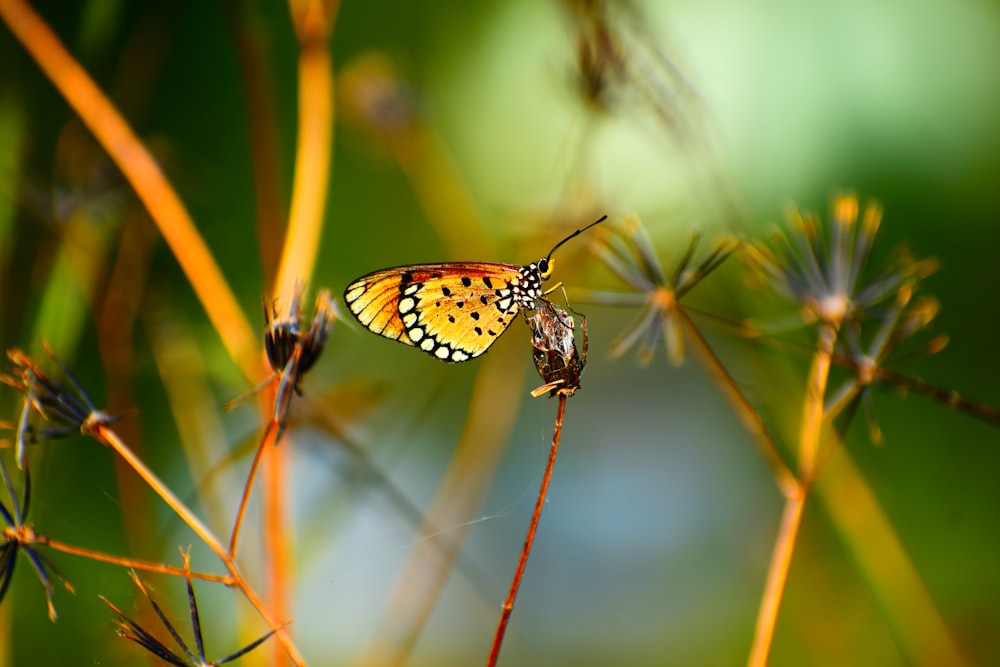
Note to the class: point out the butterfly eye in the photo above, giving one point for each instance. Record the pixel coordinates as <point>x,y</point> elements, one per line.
<point>544,268</point>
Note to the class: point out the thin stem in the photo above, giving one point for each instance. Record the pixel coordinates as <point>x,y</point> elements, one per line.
<point>952,399</point>
<point>421,580</point>
<point>777,575</point>
<point>812,409</point>
<point>277,536</point>
<point>748,415</point>
<point>809,441</point>
<point>248,487</point>
<point>109,437</point>
<point>515,584</point>
<point>133,563</point>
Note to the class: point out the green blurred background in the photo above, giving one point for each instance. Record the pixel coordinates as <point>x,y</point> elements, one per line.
<point>661,516</point>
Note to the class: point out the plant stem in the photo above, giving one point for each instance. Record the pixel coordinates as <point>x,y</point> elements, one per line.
<point>812,409</point>
<point>747,414</point>
<point>134,563</point>
<point>777,575</point>
<point>421,580</point>
<point>515,584</point>
<point>248,487</point>
<point>810,433</point>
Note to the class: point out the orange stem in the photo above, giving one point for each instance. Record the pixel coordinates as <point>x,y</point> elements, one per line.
<point>777,575</point>
<point>813,405</point>
<point>248,487</point>
<point>810,437</point>
<point>515,584</point>
<point>135,564</point>
<point>277,537</point>
<point>421,580</point>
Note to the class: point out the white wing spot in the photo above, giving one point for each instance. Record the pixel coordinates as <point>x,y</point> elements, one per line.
<point>355,293</point>
<point>406,305</point>
<point>411,290</point>
<point>458,355</point>
<point>409,319</point>
<point>415,334</point>
<point>504,304</point>
<point>441,352</point>
<point>427,345</point>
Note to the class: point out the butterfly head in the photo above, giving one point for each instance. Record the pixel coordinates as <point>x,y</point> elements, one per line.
<point>545,267</point>
<point>546,264</point>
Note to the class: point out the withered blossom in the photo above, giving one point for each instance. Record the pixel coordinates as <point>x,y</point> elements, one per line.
<point>630,255</point>
<point>558,358</point>
<point>132,631</point>
<point>67,410</point>
<point>19,536</point>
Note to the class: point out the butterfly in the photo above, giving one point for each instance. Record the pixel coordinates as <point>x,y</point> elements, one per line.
<point>453,311</point>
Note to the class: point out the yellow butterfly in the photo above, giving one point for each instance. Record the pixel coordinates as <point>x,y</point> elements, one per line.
<point>453,311</point>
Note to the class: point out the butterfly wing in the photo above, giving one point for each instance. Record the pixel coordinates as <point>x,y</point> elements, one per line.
<point>452,311</point>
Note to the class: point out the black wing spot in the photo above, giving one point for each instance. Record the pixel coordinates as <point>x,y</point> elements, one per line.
<point>490,332</point>
<point>483,300</point>
<point>474,314</point>
<point>451,318</point>
<point>467,281</point>
<point>445,291</point>
<point>479,331</point>
<point>487,281</point>
<point>460,304</point>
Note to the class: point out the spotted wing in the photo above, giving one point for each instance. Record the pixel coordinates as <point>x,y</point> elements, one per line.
<point>452,311</point>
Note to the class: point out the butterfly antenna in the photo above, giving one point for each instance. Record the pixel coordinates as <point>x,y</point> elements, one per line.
<point>574,234</point>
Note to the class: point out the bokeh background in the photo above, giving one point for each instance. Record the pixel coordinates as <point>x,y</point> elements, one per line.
<point>661,516</point>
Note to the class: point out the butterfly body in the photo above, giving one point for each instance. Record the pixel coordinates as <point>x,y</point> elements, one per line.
<point>453,311</point>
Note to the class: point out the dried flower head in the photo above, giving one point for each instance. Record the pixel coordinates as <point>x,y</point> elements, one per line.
<point>631,256</point>
<point>290,352</point>
<point>557,357</point>
<point>67,410</point>
<point>20,536</point>
<point>868,359</point>
<point>131,630</point>
<point>828,277</point>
